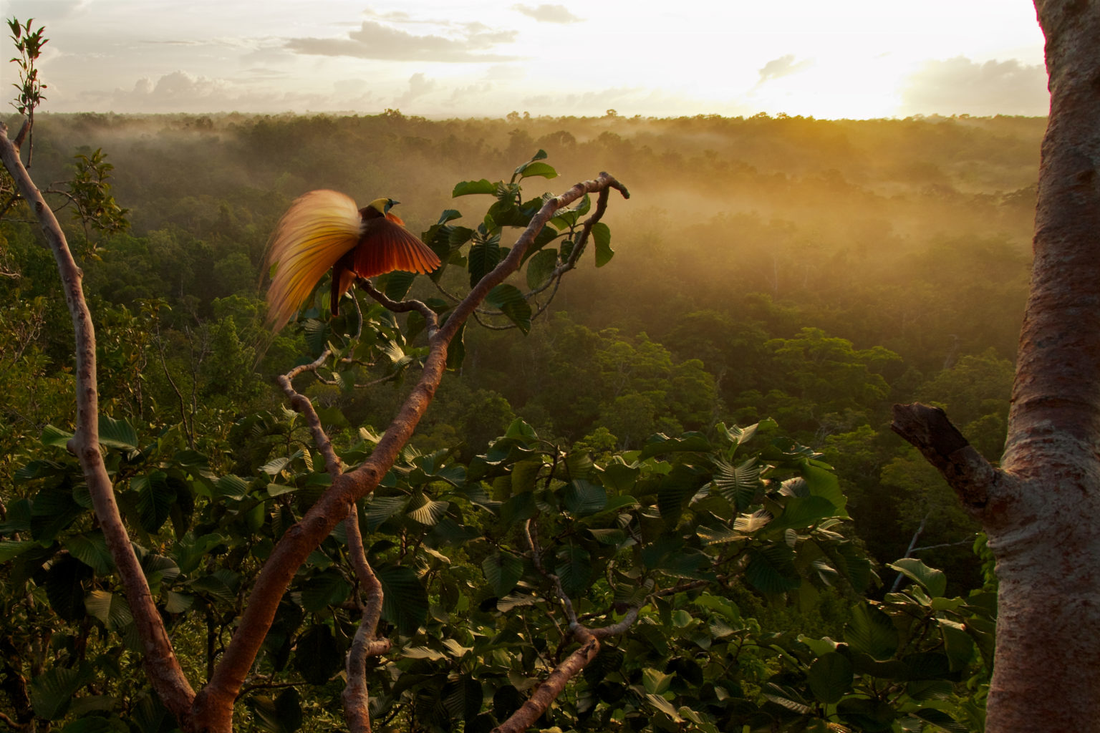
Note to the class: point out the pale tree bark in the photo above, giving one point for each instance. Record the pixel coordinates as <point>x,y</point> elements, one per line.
<point>1040,507</point>
<point>160,661</point>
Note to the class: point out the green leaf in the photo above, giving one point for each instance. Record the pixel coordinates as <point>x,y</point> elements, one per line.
<point>110,608</point>
<point>323,590</point>
<point>601,235</point>
<point>317,655</point>
<point>824,483</point>
<point>11,549</point>
<point>52,692</point>
<point>465,188</point>
<point>655,682</point>
<point>771,569</point>
<point>462,698</point>
<point>737,484</point>
<point>583,498</point>
<point>405,603</point>
<point>543,170</point>
<point>934,581</point>
<point>91,549</point>
<point>510,301</point>
<point>802,511</point>
<point>55,437</point>
<point>155,496</point>
<point>673,492</point>
<point>574,569</point>
<point>65,587</point>
<point>830,677</point>
<point>429,513</point>
<point>503,570</point>
<point>281,715</point>
<point>940,720</point>
<point>53,511</point>
<point>484,255</point>
<point>230,486</point>
<point>540,267</point>
<point>117,434</point>
<point>872,632</point>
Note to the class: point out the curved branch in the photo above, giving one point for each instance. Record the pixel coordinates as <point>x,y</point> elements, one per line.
<point>214,705</point>
<point>161,664</point>
<point>366,644</point>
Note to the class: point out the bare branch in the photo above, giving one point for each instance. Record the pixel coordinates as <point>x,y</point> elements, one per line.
<point>963,467</point>
<point>161,664</point>
<point>365,644</point>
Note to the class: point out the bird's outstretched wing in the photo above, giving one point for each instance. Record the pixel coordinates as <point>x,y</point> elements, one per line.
<point>318,229</point>
<point>388,246</point>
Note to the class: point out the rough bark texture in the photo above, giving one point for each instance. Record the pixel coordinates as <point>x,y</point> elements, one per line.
<point>1040,508</point>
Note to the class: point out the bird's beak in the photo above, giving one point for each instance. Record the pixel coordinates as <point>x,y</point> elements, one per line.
<point>389,205</point>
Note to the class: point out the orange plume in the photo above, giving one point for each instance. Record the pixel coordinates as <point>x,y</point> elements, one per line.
<point>324,230</point>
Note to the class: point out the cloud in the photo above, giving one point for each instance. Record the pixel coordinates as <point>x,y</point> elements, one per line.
<point>375,40</point>
<point>419,85</point>
<point>782,66</point>
<point>962,86</point>
<point>548,13</point>
<point>180,91</point>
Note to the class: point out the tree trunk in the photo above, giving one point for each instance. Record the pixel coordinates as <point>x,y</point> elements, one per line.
<point>1039,509</point>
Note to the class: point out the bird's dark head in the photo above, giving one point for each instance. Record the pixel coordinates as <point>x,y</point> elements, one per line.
<point>382,206</point>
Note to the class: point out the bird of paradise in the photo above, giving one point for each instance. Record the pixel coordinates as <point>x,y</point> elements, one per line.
<point>325,230</point>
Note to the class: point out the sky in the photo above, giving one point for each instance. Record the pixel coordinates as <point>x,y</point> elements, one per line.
<point>460,58</point>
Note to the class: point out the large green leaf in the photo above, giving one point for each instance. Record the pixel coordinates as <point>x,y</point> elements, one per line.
<point>823,482</point>
<point>65,587</point>
<point>317,656</point>
<point>802,511</point>
<point>53,511</point>
<point>540,267</point>
<point>484,255</point>
<point>583,498</point>
<point>280,715</point>
<point>503,570</point>
<point>871,631</point>
<point>465,188</point>
<point>405,603</point>
<point>574,569</point>
<point>771,568</point>
<point>830,676</point>
<point>52,692</point>
<point>325,589</point>
<point>737,484</point>
<point>117,434</point>
<point>510,301</point>
<point>601,235</point>
<point>155,496</point>
<point>429,512</point>
<point>110,608</point>
<point>934,581</point>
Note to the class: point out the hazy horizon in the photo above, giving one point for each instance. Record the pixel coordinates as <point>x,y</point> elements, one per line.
<point>850,60</point>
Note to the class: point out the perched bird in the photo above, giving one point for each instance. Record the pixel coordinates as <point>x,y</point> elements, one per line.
<point>324,229</point>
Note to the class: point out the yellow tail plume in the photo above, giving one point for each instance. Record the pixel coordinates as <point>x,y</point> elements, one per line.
<point>314,236</point>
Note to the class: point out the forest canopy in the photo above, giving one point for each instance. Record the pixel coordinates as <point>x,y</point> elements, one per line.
<point>796,274</point>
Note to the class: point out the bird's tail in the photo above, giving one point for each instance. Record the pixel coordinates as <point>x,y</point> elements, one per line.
<point>318,229</point>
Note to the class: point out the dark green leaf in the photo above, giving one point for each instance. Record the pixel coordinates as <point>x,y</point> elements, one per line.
<point>503,570</point>
<point>771,569</point>
<point>317,655</point>
<point>934,581</point>
<point>544,170</point>
<point>117,434</point>
<point>540,267</point>
<point>155,496</point>
<point>872,632</point>
<point>52,692</point>
<point>583,498</point>
<point>324,590</point>
<point>65,587</point>
<point>109,608</point>
<point>601,235</point>
<point>574,569</point>
<point>830,676</point>
<point>465,188</point>
<point>405,601</point>
<point>510,301</point>
<point>91,549</point>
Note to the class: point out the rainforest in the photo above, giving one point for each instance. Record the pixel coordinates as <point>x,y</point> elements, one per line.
<point>665,472</point>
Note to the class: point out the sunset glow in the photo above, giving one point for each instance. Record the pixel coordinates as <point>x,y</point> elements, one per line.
<point>440,59</point>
